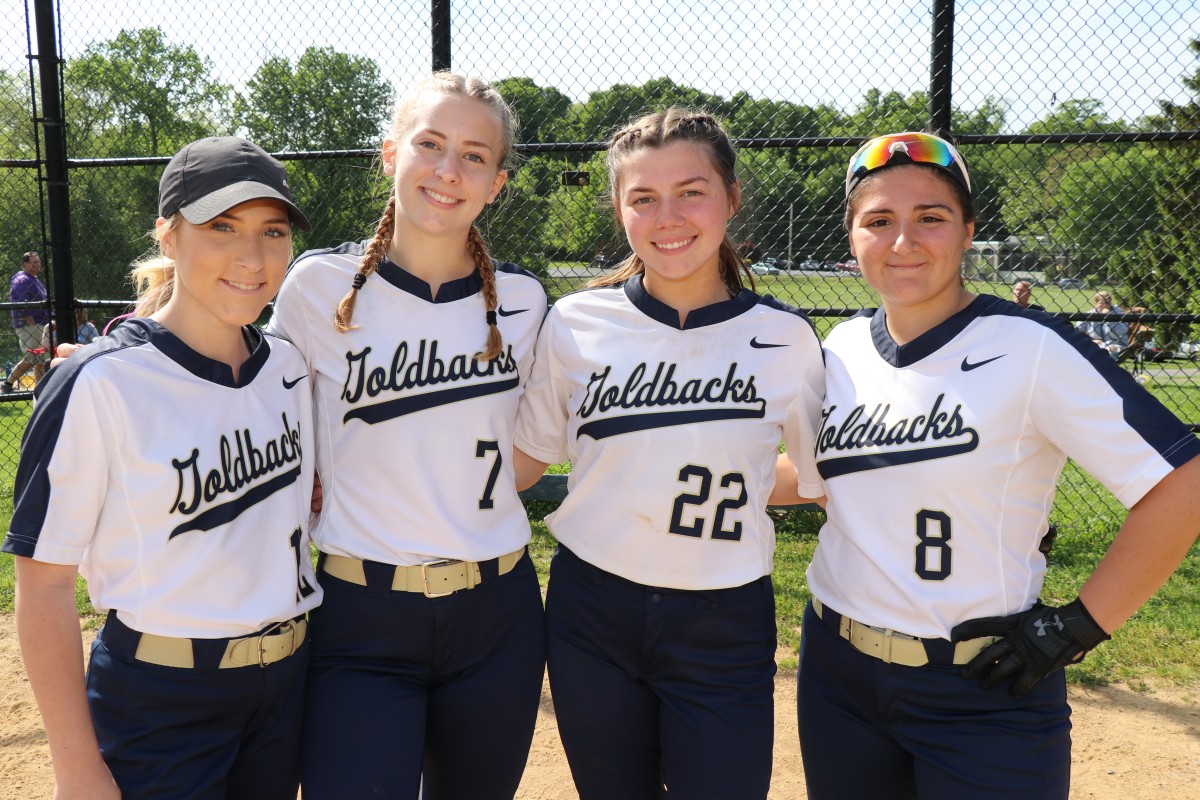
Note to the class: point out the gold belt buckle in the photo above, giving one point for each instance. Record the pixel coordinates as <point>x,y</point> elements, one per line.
<point>274,630</point>
<point>425,578</point>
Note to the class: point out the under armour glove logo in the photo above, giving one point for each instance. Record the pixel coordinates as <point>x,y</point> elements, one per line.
<point>1036,643</point>
<point>1043,624</point>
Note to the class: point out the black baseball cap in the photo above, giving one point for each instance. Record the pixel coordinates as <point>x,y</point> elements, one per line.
<point>210,176</point>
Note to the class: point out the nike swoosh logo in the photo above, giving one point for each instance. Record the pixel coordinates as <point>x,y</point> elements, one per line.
<point>504,313</point>
<point>967,367</point>
<point>289,384</point>
<point>756,344</point>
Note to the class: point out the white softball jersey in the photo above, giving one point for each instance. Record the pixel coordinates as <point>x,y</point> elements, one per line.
<point>940,459</point>
<point>182,494</point>
<point>414,434</point>
<point>672,433</point>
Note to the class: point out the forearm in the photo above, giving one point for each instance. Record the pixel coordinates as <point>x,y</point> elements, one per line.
<point>1151,544</point>
<point>785,491</point>
<point>48,629</point>
<point>527,469</point>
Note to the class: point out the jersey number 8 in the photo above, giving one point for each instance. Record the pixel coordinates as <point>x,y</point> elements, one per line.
<point>933,545</point>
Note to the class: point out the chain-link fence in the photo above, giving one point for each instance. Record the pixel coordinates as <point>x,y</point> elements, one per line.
<point>1081,123</point>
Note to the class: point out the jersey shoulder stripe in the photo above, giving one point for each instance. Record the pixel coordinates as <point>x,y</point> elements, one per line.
<point>31,489</point>
<point>343,249</point>
<point>509,268</point>
<point>1161,429</point>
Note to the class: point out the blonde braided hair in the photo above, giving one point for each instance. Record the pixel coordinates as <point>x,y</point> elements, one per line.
<point>374,254</point>
<point>487,271</point>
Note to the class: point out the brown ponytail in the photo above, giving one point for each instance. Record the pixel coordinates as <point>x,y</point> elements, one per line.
<point>370,262</point>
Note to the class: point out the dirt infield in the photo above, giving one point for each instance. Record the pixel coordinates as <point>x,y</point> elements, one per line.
<point>1128,745</point>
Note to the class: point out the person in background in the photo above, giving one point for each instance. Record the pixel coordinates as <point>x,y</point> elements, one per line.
<point>1113,337</point>
<point>85,329</point>
<point>1023,293</point>
<point>31,324</point>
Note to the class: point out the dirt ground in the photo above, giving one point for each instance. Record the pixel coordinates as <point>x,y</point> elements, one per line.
<point>1128,745</point>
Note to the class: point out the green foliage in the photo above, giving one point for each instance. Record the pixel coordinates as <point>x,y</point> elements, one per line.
<point>138,95</point>
<point>610,109</point>
<point>542,112</point>
<point>1166,276</point>
<point>327,101</point>
<point>134,95</point>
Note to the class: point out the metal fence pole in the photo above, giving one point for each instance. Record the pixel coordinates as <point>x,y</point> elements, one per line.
<point>440,10</point>
<point>941,62</point>
<point>54,133</point>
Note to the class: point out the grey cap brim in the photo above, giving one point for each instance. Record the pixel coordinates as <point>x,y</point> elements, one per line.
<point>216,203</point>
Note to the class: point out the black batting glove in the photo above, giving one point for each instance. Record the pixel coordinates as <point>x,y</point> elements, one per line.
<point>1035,643</point>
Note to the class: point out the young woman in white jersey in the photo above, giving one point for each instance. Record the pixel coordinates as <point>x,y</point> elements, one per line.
<point>669,386</point>
<point>429,652</point>
<point>947,419</point>
<point>171,465</point>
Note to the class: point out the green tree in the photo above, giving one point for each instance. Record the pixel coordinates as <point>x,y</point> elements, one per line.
<point>20,221</point>
<point>1053,195</point>
<point>139,95</point>
<point>134,95</point>
<point>542,112</point>
<point>1165,275</point>
<point>1102,205</point>
<point>326,101</point>
<point>608,109</point>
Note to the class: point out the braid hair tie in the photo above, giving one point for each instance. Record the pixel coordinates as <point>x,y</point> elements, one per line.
<point>491,318</point>
<point>359,279</point>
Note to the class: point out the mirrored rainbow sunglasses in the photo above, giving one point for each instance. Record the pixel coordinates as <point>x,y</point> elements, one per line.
<point>910,147</point>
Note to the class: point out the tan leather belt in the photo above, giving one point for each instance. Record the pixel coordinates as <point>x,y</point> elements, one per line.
<point>275,644</point>
<point>892,647</point>
<point>432,579</point>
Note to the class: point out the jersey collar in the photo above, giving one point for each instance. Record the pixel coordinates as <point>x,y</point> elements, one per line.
<point>448,292</point>
<point>903,355</point>
<point>202,366</point>
<point>659,311</point>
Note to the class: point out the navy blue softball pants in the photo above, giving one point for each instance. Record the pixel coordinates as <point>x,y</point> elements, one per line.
<point>403,686</point>
<point>661,692</point>
<point>169,733</point>
<point>886,731</point>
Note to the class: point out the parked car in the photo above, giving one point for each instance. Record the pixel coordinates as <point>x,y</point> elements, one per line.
<point>604,261</point>
<point>849,267</point>
<point>1151,351</point>
<point>1071,283</point>
<point>1032,281</point>
<point>763,268</point>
